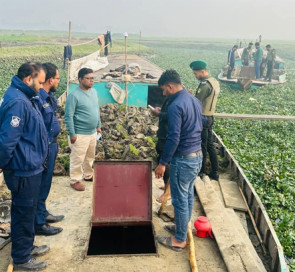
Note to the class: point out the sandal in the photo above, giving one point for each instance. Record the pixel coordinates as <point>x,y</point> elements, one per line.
<point>170,228</point>
<point>168,243</point>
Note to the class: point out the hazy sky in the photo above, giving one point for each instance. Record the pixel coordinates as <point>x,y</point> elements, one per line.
<point>273,19</point>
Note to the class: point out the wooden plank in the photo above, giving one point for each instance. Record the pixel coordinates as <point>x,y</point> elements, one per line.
<point>235,249</point>
<point>255,116</point>
<point>243,220</point>
<point>240,214</point>
<point>231,195</point>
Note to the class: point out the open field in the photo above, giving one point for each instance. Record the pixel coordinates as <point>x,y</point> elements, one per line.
<point>264,149</point>
<point>19,47</point>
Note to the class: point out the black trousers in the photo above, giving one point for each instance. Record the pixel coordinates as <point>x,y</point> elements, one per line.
<point>208,146</point>
<point>229,71</point>
<point>25,192</point>
<point>269,70</point>
<point>159,148</point>
<point>41,212</point>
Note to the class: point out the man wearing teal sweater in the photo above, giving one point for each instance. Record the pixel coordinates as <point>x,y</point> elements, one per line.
<point>82,120</point>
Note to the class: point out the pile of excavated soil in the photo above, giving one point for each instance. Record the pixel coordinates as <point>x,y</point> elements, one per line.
<point>127,134</point>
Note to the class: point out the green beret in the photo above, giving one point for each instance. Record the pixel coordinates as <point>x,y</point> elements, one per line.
<point>198,65</point>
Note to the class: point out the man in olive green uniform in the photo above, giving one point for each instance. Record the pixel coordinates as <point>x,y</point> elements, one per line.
<point>270,62</point>
<point>207,92</point>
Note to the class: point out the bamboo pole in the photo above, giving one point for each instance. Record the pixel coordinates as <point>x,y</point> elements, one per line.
<point>70,30</point>
<point>192,252</point>
<point>68,61</point>
<point>68,77</point>
<point>10,266</point>
<point>253,222</point>
<point>139,41</point>
<point>255,117</point>
<point>166,196</point>
<point>126,84</point>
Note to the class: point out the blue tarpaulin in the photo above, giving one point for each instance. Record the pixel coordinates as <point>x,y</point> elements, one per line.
<point>137,93</point>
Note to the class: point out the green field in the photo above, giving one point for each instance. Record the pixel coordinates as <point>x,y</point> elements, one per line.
<point>19,47</point>
<point>264,149</point>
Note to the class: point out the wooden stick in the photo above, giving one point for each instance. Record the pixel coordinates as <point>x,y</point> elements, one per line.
<point>10,268</point>
<point>255,117</point>
<point>253,222</point>
<point>192,252</point>
<point>166,195</point>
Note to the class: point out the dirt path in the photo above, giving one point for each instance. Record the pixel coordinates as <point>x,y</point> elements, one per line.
<point>68,248</point>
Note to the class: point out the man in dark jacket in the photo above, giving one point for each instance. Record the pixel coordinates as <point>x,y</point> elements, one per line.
<point>162,135</point>
<point>231,61</point>
<point>183,151</point>
<point>270,62</point>
<point>258,56</point>
<point>23,149</point>
<point>48,108</point>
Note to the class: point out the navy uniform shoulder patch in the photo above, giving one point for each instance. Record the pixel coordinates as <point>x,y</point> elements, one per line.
<point>15,121</point>
<point>46,105</point>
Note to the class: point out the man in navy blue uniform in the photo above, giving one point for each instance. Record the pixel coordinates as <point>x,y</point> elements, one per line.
<point>48,108</point>
<point>183,151</point>
<point>23,149</point>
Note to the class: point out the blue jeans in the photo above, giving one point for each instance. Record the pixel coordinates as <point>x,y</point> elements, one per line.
<point>183,172</point>
<point>257,68</point>
<point>41,212</point>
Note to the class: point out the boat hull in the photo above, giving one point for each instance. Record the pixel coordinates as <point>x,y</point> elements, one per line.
<point>263,223</point>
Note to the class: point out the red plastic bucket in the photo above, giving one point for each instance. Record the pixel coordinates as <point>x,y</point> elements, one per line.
<point>203,227</point>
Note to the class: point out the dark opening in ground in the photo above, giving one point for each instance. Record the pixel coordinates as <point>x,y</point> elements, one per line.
<point>116,240</point>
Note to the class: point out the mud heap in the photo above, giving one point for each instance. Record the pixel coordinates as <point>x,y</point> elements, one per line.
<point>126,135</point>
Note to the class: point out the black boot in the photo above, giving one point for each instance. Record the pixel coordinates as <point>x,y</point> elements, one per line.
<point>31,265</point>
<point>39,250</point>
<point>54,218</point>
<point>214,175</point>
<point>48,230</point>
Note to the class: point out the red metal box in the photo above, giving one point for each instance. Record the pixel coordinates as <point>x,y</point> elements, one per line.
<point>121,221</point>
<point>122,192</point>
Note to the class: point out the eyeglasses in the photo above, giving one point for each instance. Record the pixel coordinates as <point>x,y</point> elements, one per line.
<point>89,78</point>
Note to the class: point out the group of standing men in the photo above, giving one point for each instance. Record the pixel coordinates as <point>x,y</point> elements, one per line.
<point>28,133</point>
<point>259,61</point>
<point>28,142</point>
<point>187,121</point>
<point>28,149</point>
